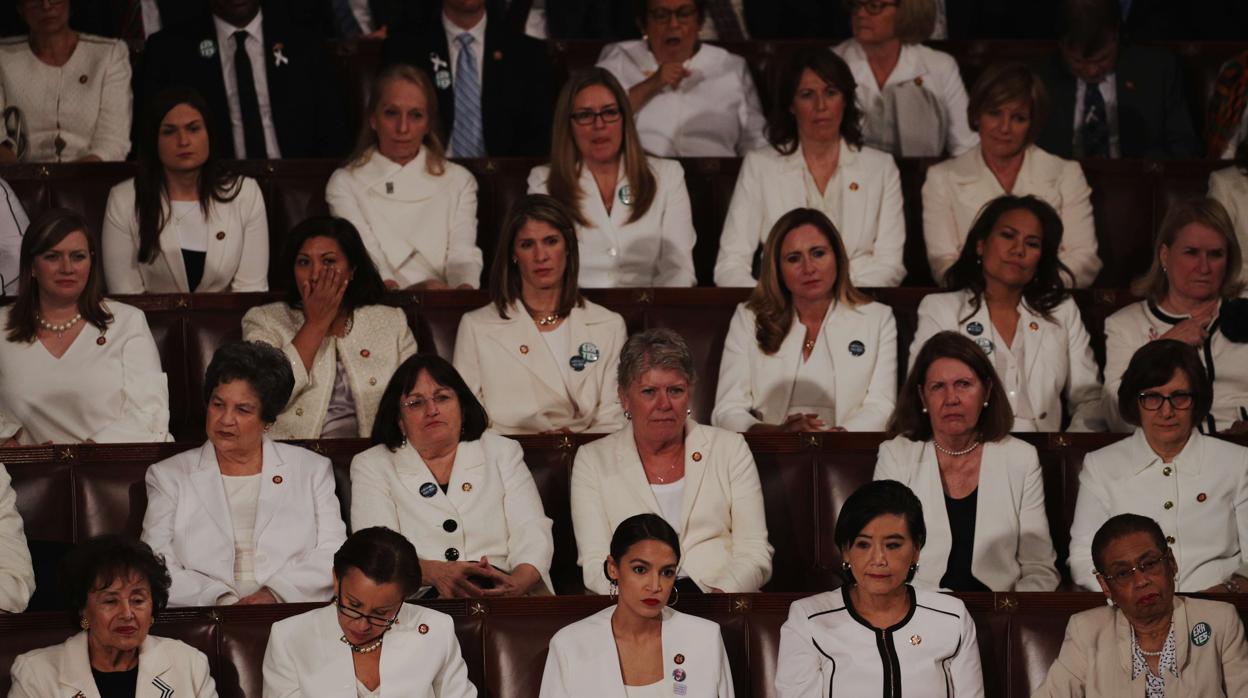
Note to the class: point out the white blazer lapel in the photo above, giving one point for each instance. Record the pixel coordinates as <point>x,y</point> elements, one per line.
<point>978,326</point>
<point>580,333</point>
<point>697,456</point>
<point>74,668</point>
<point>855,201</point>
<point>931,492</point>
<point>1036,333</point>
<point>521,341</point>
<point>211,490</point>
<point>992,500</point>
<point>600,222</point>
<point>848,340</point>
<point>774,402</point>
<point>467,474</point>
<point>220,238</point>
<point>273,474</point>
<point>792,169</point>
<point>171,250</point>
<point>153,662</point>
<point>333,658</point>
<point>610,683</point>
<point>417,479</point>
<point>620,211</point>
<point>633,475</point>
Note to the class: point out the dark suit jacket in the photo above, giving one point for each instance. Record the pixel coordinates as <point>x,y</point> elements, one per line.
<point>517,90</point>
<point>308,113</point>
<point>1153,116</point>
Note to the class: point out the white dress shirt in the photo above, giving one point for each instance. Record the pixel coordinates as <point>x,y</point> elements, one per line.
<point>255,48</point>
<point>362,11</point>
<point>17,577</point>
<point>1109,92</point>
<point>13,224</point>
<point>714,112</point>
<point>167,668</point>
<point>151,17</point>
<point>1230,187</point>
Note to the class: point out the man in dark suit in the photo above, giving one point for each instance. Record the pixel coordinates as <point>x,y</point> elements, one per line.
<point>1109,100</point>
<point>506,103</point>
<point>269,86</point>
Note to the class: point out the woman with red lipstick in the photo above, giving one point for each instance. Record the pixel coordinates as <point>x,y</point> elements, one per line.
<point>184,224</point>
<point>1193,293</point>
<point>807,351</point>
<point>116,587</point>
<point>702,480</point>
<point>1194,486</point>
<point>981,488</point>
<point>631,210</point>
<point>640,647</point>
<point>1147,641</point>
<point>817,160</point>
<point>1008,107</point>
<point>1007,294</point>
<point>570,346</point>
<point>878,632</point>
<point>75,367</point>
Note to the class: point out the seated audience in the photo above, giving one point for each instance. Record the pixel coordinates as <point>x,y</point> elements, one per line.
<point>634,646</point>
<point>13,224</point>
<point>833,640</point>
<point>650,465</point>
<point>539,337</point>
<point>416,212</point>
<point>1177,646</point>
<point>70,92</point>
<point>631,211</point>
<point>691,99</point>
<point>950,439</point>
<point>269,84</point>
<point>460,493</point>
<point>1165,393</point>
<point>1109,100</point>
<point>495,86</point>
<point>368,642</point>
<point>1008,106</point>
<point>807,351</point>
<point>1229,187</point>
<point>1007,294</point>
<point>912,98</point>
<point>1192,293</point>
<point>115,587</point>
<point>340,340</point>
<point>184,223</point>
<point>817,160</point>
<point>1226,123</point>
<point>75,367</point>
<point>17,577</point>
<point>244,519</point>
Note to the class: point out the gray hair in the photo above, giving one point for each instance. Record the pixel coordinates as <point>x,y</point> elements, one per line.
<point>654,348</point>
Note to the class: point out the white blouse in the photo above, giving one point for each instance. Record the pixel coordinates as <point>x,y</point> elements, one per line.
<point>242,495</point>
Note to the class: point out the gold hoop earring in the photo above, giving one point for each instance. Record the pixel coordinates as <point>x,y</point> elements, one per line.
<point>84,623</point>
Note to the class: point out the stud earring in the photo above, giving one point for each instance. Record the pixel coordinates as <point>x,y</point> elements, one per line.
<point>615,588</point>
<point>985,403</point>
<point>628,415</point>
<point>688,412</point>
<point>84,623</point>
<point>924,410</point>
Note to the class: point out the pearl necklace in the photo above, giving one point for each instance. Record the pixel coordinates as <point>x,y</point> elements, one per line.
<point>948,452</point>
<point>61,328</point>
<point>547,320</point>
<point>363,649</point>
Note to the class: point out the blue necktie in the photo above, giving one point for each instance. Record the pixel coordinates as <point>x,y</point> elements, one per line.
<point>1095,129</point>
<point>466,138</point>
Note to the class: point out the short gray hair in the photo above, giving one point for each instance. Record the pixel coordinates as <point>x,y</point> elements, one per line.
<point>654,348</point>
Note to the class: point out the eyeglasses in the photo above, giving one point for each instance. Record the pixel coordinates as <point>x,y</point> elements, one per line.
<point>662,15</point>
<point>586,117</point>
<point>1179,401</point>
<point>873,7</point>
<point>1147,567</point>
<point>375,621</point>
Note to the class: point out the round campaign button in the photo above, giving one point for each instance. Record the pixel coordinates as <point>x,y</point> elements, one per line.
<point>428,489</point>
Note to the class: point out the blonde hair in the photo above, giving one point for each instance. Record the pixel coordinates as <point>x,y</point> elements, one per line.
<point>366,143</point>
<point>916,19</point>
<point>1155,285</point>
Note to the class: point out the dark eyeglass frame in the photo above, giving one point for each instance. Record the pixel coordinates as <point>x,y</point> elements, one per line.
<point>1146,567</point>
<point>1180,400</point>
<point>873,7</point>
<point>662,15</point>
<point>587,117</point>
<point>375,621</point>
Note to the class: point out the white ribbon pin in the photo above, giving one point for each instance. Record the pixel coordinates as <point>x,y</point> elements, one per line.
<point>279,57</point>
<point>438,63</point>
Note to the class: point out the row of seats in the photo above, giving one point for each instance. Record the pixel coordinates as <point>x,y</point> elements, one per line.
<point>1129,199</point>
<point>188,328</point>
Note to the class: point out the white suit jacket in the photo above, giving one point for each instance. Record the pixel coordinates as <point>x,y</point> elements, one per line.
<point>1230,188</point>
<point>491,507</point>
<point>870,220</point>
<point>1058,355</point>
<point>1013,550</point>
<point>656,250</point>
<point>420,659</point>
<point>379,341</point>
<point>17,577</point>
<point>1200,501</point>
<point>956,190</point>
<point>723,532</point>
<point>237,258</point>
<point>583,659</point>
<point>167,668</point>
<point>502,359</point>
<point>755,387</point>
<point>415,226</point>
<point>298,525</point>
<point>13,224</point>
<point>715,112</point>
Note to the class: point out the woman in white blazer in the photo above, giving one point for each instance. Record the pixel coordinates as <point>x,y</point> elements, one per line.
<point>700,479</point>
<point>367,642</point>
<point>115,586</point>
<point>416,211</point>
<point>817,160</point>
<point>808,351</point>
<point>243,519</point>
<point>13,224</point>
<point>74,367</point>
<point>460,493</point>
<point>539,337</point>
<point>17,576</point>
<point>632,214</point>
<point>668,653</point>
<point>691,99</point>
<point>1194,486</point>
<point>1008,296</point>
<point>1008,107</point>
<point>1230,188</point>
<point>184,224</point>
<point>342,342</point>
<point>981,489</point>
<point>918,109</point>
<point>1193,293</point>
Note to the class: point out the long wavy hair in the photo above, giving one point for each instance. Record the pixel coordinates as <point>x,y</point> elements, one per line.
<point>44,233</point>
<point>366,140</point>
<point>782,125</point>
<point>505,279</point>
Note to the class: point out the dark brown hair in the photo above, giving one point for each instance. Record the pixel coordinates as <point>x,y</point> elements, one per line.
<point>365,286</point>
<point>1154,364</point>
<point>98,562</point>
<point>505,273</point>
<point>386,430</point>
<point>1001,83</point>
<point>45,232</point>
<point>782,125</point>
<point>909,418</point>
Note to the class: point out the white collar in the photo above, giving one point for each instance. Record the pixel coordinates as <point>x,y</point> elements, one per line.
<point>453,30</point>
<point>225,30</point>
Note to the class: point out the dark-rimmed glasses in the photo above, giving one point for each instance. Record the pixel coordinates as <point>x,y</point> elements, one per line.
<point>873,7</point>
<point>1148,566</point>
<point>375,621</point>
<point>662,15</point>
<point>586,117</point>
<point>1179,401</point>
